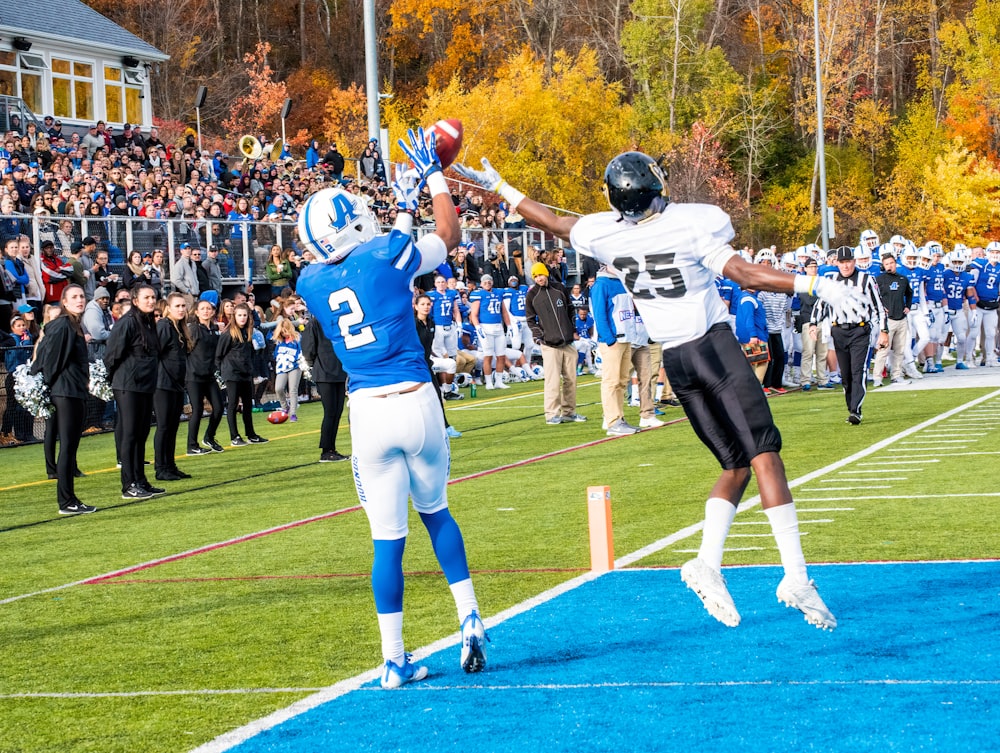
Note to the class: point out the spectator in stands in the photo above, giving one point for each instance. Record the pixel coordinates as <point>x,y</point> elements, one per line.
<point>278,270</point>
<point>17,349</point>
<point>171,376</point>
<point>287,373</point>
<point>97,323</point>
<point>55,273</point>
<point>184,275</point>
<point>137,272</point>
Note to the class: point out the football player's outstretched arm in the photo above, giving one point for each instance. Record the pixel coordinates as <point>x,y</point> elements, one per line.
<point>534,213</point>
<point>427,164</point>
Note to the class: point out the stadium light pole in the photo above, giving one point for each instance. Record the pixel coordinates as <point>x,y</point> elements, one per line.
<point>371,70</point>
<point>820,141</point>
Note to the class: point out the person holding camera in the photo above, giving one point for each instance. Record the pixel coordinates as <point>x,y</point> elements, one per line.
<point>136,272</point>
<point>102,274</point>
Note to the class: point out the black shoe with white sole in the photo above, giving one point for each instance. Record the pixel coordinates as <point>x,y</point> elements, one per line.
<point>76,508</point>
<point>136,492</point>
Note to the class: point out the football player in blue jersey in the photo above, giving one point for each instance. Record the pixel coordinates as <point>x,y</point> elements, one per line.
<point>489,317</point>
<point>930,262</point>
<point>447,321</point>
<point>520,333</point>
<point>361,294</point>
<point>917,316</point>
<point>988,293</point>
<point>960,299</point>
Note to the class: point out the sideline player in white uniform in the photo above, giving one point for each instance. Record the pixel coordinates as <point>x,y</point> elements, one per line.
<point>447,318</point>
<point>361,296</point>
<point>960,298</point>
<point>668,256</point>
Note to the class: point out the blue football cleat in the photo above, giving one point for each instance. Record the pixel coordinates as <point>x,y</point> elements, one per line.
<point>452,432</point>
<point>962,366</point>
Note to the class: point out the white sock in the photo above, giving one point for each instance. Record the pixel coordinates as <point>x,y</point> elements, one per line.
<point>719,514</point>
<point>659,391</point>
<point>465,598</point>
<point>390,626</point>
<point>785,527</point>
<point>488,379</point>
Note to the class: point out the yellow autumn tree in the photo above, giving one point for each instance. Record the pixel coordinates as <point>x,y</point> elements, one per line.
<point>962,200</point>
<point>549,133</point>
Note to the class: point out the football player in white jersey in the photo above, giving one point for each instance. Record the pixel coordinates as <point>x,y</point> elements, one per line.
<point>361,295</point>
<point>668,256</point>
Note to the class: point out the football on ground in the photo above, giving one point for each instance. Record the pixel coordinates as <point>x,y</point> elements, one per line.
<point>448,139</point>
<point>277,417</point>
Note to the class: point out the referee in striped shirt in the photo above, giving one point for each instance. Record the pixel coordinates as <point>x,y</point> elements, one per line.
<point>852,338</point>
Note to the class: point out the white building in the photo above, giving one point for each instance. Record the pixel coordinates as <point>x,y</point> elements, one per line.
<point>62,58</point>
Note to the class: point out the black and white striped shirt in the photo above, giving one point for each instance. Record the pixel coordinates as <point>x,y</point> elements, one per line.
<point>875,311</point>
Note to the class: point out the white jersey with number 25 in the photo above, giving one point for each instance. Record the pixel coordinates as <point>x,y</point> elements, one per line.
<point>667,262</point>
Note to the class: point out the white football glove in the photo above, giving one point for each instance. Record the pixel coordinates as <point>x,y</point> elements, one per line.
<point>847,301</point>
<point>488,177</point>
<point>422,152</point>
<point>406,190</point>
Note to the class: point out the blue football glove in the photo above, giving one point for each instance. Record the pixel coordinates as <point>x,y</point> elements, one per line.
<point>422,154</point>
<point>407,191</point>
<point>488,177</point>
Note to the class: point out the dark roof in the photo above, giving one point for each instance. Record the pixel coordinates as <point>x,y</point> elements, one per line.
<point>72,20</point>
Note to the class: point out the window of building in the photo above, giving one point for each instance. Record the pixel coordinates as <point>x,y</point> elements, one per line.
<point>72,89</point>
<point>122,97</point>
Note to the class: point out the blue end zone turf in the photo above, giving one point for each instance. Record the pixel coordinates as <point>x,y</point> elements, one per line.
<point>632,661</point>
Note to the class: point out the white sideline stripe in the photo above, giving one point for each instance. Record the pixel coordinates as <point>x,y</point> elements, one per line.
<point>882,478</point>
<point>939,441</point>
<point>975,453</point>
<point>904,496</point>
<point>885,470</point>
<point>728,549</point>
<point>937,447</point>
<point>901,462</point>
<point>229,739</point>
<point>767,535</point>
<point>767,523</point>
<point>847,488</point>
<point>823,509</point>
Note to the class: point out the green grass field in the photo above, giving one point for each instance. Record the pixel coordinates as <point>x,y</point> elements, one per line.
<point>167,657</point>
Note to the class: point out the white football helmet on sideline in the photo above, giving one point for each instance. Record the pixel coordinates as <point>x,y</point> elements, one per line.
<point>908,253</point>
<point>934,247</point>
<point>993,252</point>
<point>956,260</point>
<point>926,257</point>
<point>789,262</point>
<point>463,379</point>
<point>765,255</point>
<point>869,239</point>
<point>333,222</point>
<point>863,257</point>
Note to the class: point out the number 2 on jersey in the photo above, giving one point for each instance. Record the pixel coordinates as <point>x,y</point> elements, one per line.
<point>667,280</point>
<point>352,317</point>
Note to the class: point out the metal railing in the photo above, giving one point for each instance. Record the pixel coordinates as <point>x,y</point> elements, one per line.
<point>244,245</point>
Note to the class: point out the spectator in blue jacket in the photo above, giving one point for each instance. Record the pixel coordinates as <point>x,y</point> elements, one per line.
<point>751,327</point>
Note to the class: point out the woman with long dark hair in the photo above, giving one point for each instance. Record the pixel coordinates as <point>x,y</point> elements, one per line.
<point>132,356</point>
<point>201,383</point>
<point>62,358</point>
<point>168,400</point>
<point>234,358</point>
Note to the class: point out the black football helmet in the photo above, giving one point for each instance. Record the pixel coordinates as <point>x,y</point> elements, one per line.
<point>632,182</point>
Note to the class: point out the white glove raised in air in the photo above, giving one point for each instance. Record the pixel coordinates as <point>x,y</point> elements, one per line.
<point>847,301</point>
<point>406,190</point>
<point>488,177</point>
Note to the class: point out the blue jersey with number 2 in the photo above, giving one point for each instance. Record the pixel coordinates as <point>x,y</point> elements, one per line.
<point>365,305</point>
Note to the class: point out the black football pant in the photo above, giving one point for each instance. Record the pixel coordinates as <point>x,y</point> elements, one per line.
<point>332,395</point>
<point>197,392</point>
<point>851,344</point>
<point>135,415</point>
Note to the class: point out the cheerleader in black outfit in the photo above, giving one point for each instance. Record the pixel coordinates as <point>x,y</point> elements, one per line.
<point>62,358</point>
<point>331,381</point>
<point>132,356</point>
<point>234,357</point>
<point>201,383</point>
<point>168,400</point>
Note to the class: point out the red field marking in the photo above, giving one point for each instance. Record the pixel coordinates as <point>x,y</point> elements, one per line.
<point>307,576</point>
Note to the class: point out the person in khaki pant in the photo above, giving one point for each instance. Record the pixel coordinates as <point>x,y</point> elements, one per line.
<point>624,344</point>
<point>548,304</point>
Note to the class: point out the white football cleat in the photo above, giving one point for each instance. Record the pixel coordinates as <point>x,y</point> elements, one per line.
<point>806,599</point>
<point>473,643</point>
<point>710,585</point>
